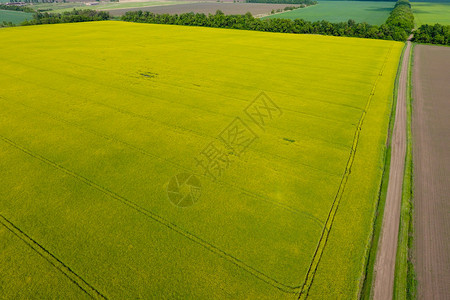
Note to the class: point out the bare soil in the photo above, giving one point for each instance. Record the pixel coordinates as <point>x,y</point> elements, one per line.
<point>255,9</point>
<point>385,261</point>
<point>431,154</point>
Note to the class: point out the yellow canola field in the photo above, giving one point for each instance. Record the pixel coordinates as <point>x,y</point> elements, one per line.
<point>144,160</point>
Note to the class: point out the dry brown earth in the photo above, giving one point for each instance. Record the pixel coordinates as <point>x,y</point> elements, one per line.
<point>431,157</point>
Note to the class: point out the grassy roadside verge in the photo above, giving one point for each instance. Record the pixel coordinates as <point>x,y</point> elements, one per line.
<point>404,281</point>
<point>366,290</point>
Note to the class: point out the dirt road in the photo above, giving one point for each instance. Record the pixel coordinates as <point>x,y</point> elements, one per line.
<point>385,261</point>
<point>431,157</point>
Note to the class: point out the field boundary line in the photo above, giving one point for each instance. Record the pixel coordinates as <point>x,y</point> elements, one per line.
<point>146,153</point>
<point>52,259</point>
<point>330,219</point>
<point>366,290</point>
<point>172,226</point>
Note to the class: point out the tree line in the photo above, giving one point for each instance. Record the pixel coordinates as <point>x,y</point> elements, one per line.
<point>433,34</point>
<point>16,8</point>
<point>397,27</point>
<point>402,18</point>
<point>76,15</point>
<point>248,22</point>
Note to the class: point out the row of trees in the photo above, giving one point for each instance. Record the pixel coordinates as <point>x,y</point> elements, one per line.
<point>76,15</point>
<point>433,34</point>
<point>16,8</point>
<point>307,2</point>
<point>397,27</point>
<point>6,24</point>
<point>402,18</point>
<point>286,9</point>
<point>248,22</point>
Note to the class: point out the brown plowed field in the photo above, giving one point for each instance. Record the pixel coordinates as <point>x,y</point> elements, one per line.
<point>431,153</point>
<point>207,8</point>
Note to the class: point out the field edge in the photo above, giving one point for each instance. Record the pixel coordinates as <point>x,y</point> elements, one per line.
<point>366,291</point>
<point>321,288</point>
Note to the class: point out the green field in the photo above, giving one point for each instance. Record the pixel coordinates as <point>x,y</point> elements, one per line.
<point>16,17</point>
<point>94,128</point>
<point>62,7</point>
<point>431,13</point>
<point>139,4</point>
<point>372,12</point>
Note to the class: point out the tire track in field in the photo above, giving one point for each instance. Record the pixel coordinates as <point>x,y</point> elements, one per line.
<point>290,57</point>
<point>384,269</point>
<point>183,130</point>
<point>52,259</point>
<point>153,98</point>
<point>172,226</point>
<point>249,193</point>
<point>329,222</point>
<point>241,100</point>
<point>198,108</point>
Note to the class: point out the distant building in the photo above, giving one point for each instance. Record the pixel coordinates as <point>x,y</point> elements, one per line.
<point>92,3</point>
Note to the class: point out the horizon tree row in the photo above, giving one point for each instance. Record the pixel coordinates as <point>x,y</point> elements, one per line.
<point>397,27</point>
<point>248,22</point>
<point>16,8</point>
<point>76,15</point>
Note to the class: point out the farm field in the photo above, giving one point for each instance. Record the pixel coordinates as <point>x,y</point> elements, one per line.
<point>227,8</point>
<point>98,130</point>
<point>372,12</point>
<point>68,6</point>
<point>431,160</point>
<point>16,17</point>
<point>431,13</point>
